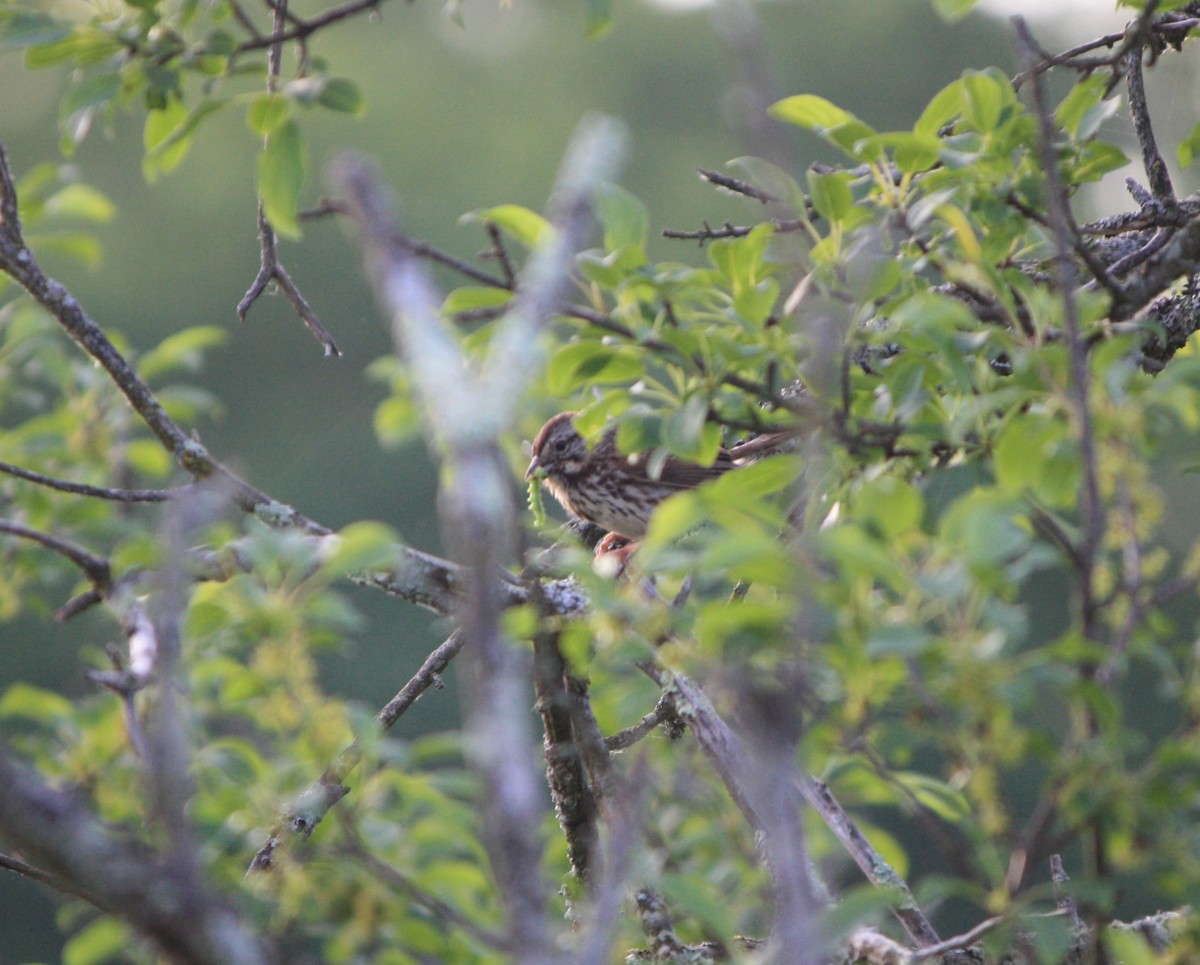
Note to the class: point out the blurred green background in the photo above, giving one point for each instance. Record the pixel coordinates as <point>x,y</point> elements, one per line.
<point>458,118</point>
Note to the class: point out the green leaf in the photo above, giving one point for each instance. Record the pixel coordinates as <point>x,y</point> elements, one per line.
<point>1036,454</point>
<point>82,202</point>
<point>1083,110</point>
<point>281,167</point>
<point>688,434</point>
<point>1189,147</point>
<point>342,95</point>
<point>397,420</point>
<point>183,350</point>
<point>953,9</point>
<point>1097,159</point>
<point>702,899</point>
<point>913,152</point>
<point>599,18</point>
<point>168,133</point>
<point>939,797</point>
<point>983,524</point>
<point>528,227</point>
<point>148,457</point>
<point>983,100</point>
<point>673,518</point>
<point>360,547</point>
<point>585,363</point>
<point>823,117</point>
<point>161,122</point>
<point>97,942</point>
<point>624,217</point>
<point>85,248</point>
<point>23,28</point>
<point>831,195</point>
<point>892,505</point>
<point>471,297</point>
<point>754,482</point>
<point>96,89</point>
<point>34,703</point>
<point>267,112</point>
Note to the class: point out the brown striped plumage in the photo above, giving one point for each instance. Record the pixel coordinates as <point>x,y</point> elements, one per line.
<point>605,487</point>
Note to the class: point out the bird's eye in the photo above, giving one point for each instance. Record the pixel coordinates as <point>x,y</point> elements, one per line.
<point>560,445</point>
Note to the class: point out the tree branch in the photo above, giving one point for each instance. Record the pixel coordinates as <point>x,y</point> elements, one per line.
<point>188,924</point>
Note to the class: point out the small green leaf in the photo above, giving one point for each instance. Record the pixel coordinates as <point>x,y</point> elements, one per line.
<point>913,152</point>
<point>983,100</point>
<point>624,217</point>
<point>168,132</point>
<point>528,227</point>
<point>148,457</point>
<point>182,350</point>
<point>22,28</point>
<point>953,9</point>
<point>823,117</point>
<point>281,168</point>
<point>471,297</point>
<point>942,799</point>
<point>585,363</point>
<point>267,112</point>
<point>1083,110</point>
<point>831,195</point>
<point>673,518</point>
<point>359,547</point>
<point>342,95</point>
<point>1189,147</point>
<point>97,942</point>
<point>82,202</point>
<point>599,18</point>
<point>893,506</point>
<point>34,703</point>
<point>1097,159</point>
<point>96,89</point>
<point>688,434</point>
<point>397,420</point>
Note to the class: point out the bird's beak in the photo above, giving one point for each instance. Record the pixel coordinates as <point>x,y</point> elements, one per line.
<point>534,469</point>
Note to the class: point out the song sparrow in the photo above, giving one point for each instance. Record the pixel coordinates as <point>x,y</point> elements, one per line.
<point>615,491</point>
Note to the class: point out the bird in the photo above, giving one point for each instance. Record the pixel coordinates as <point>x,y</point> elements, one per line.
<point>616,491</point>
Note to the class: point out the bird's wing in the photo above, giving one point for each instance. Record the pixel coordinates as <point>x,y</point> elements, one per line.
<point>684,475</point>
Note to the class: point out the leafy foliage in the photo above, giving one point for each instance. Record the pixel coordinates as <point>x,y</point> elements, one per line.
<point>954,572</point>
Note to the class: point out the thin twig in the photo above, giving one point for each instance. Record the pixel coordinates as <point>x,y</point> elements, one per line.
<point>500,253</point>
<point>305,28</point>
<point>95,568</point>
<point>1139,111</point>
<point>270,268</point>
<point>26,870</point>
<point>81,489</point>
<point>1058,215</point>
<point>664,714</point>
<point>736,185</point>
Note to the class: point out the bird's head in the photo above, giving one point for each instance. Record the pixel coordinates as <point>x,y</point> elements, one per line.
<point>558,449</point>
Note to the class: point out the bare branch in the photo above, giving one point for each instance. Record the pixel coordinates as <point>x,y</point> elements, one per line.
<point>81,489</point>
<point>94,567</point>
<point>574,802</point>
<point>1139,110</point>
<point>271,270</point>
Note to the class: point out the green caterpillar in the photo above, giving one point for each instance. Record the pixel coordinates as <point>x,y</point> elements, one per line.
<point>535,501</point>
